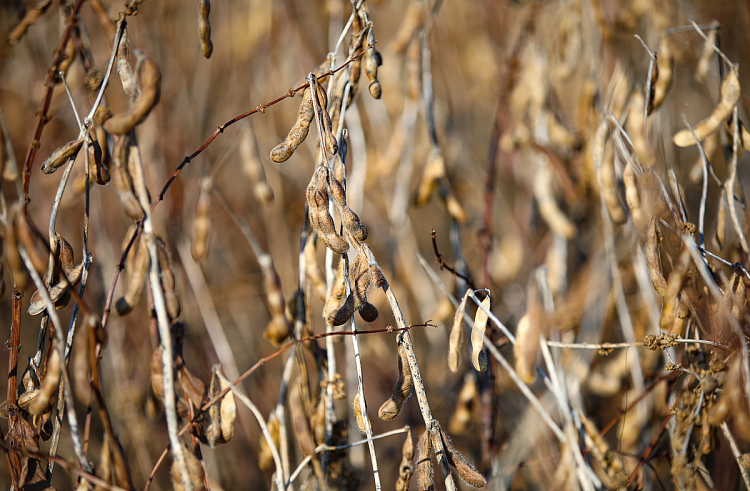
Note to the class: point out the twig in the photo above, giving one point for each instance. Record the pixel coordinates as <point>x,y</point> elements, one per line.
<point>704,192</point>
<point>440,259</point>
<point>737,455</point>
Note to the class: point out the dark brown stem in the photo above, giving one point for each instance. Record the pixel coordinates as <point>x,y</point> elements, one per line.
<point>440,259</point>
<point>13,347</point>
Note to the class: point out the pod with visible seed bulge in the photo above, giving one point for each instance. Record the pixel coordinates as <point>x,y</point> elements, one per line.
<point>464,469</point>
<point>721,220</point>
<point>359,278</point>
<point>31,242</point>
<point>665,67</point>
<point>66,276</point>
<point>707,55</point>
<point>136,280</point>
<point>467,399</point>
<point>401,391</point>
<point>44,401</point>
<point>478,356</point>
<point>204,28</point>
<point>405,469</point>
<point>122,180</point>
<point>61,156</point>
<point>653,261</point>
<point>213,432</point>
<point>730,94</point>
<point>338,290</point>
<point>253,166</point>
<point>202,222</point>
<point>122,123</point>
<point>195,472</point>
<point>228,412</point>
<point>320,218</point>
<point>298,133</point>
<point>265,456</point>
<point>329,140</point>
<point>167,280</point>
<point>368,312</point>
<point>279,329</point>
<point>312,270</point>
<point>359,418</point>
<point>343,313</point>
<point>12,256</point>
<point>372,61</point>
<point>424,462</point>
<point>457,334</point>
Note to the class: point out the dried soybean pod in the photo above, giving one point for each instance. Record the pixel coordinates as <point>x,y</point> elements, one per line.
<point>300,422</point>
<point>433,170</point>
<point>12,256</point>
<point>44,401</point>
<point>604,160</point>
<point>665,67</point>
<point>213,432</point>
<point>278,330</point>
<point>343,313</point>
<point>265,456</point>
<point>730,94</point>
<point>368,312</point>
<point>478,356</point>
<point>672,303</point>
<point>707,55</point>
<point>401,391</point>
<point>228,412</point>
<point>202,222</point>
<point>338,290</point>
<point>331,144</point>
<point>457,334</point>
<point>61,156</point>
<point>527,344</point>
<point>359,278</point>
<point>253,166</point>
<point>721,219</point>
<point>424,463</point>
<point>98,171</point>
<point>467,398</point>
<point>195,472</point>
<point>136,280</point>
<point>405,469</point>
<point>312,269</point>
<point>122,123</point>
<point>320,218</point>
<point>372,61</point>
<point>174,308</point>
<point>359,418</point>
<point>633,199</point>
<point>121,179</point>
<point>376,275</point>
<point>635,128</point>
<point>464,469</point>
<point>204,27</point>
<point>652,259</point>
<point>298,133</point>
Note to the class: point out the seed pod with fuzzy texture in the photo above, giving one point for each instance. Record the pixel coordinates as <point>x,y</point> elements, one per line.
<point>46,397</point>
<point>228,412</point>
<point>202,222</point>
<point>66,275</point>
<point>298,133</point>
<point>457,334</point>
<point>12,256</point>
<point>300,422</point>
<point>265,456</point>
<point>195,472</point>
<point>730,94</point>
<point>405,469</point>
<point>320,218</point>
<point>174,307</point>
<point>312,269</point>
<point>136,280</point>
<point>122,180</point>
<point>707,55</point>
<point>279,329</point>
<point>31,242</point>
<point>665,67</point>
<point>721,219</point>
<point>376,275</point>
<point>204,27</point>
<point>464,469</point>
<point>468,397</point>
<point>358,417</point>
<point>338,290</point>
<point>359,279</point>
<point>653,262</point>
<point>424,463</point>
<point>635,127</point>
<point>372,61</point>
<point>328,139</point>
<point>253,166</point>
<point>527,343</point>
<point>401,391</point>
<point>478,356</point>
<point>122,123</point>
<point>61,156</point>
<point>343,313</point>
